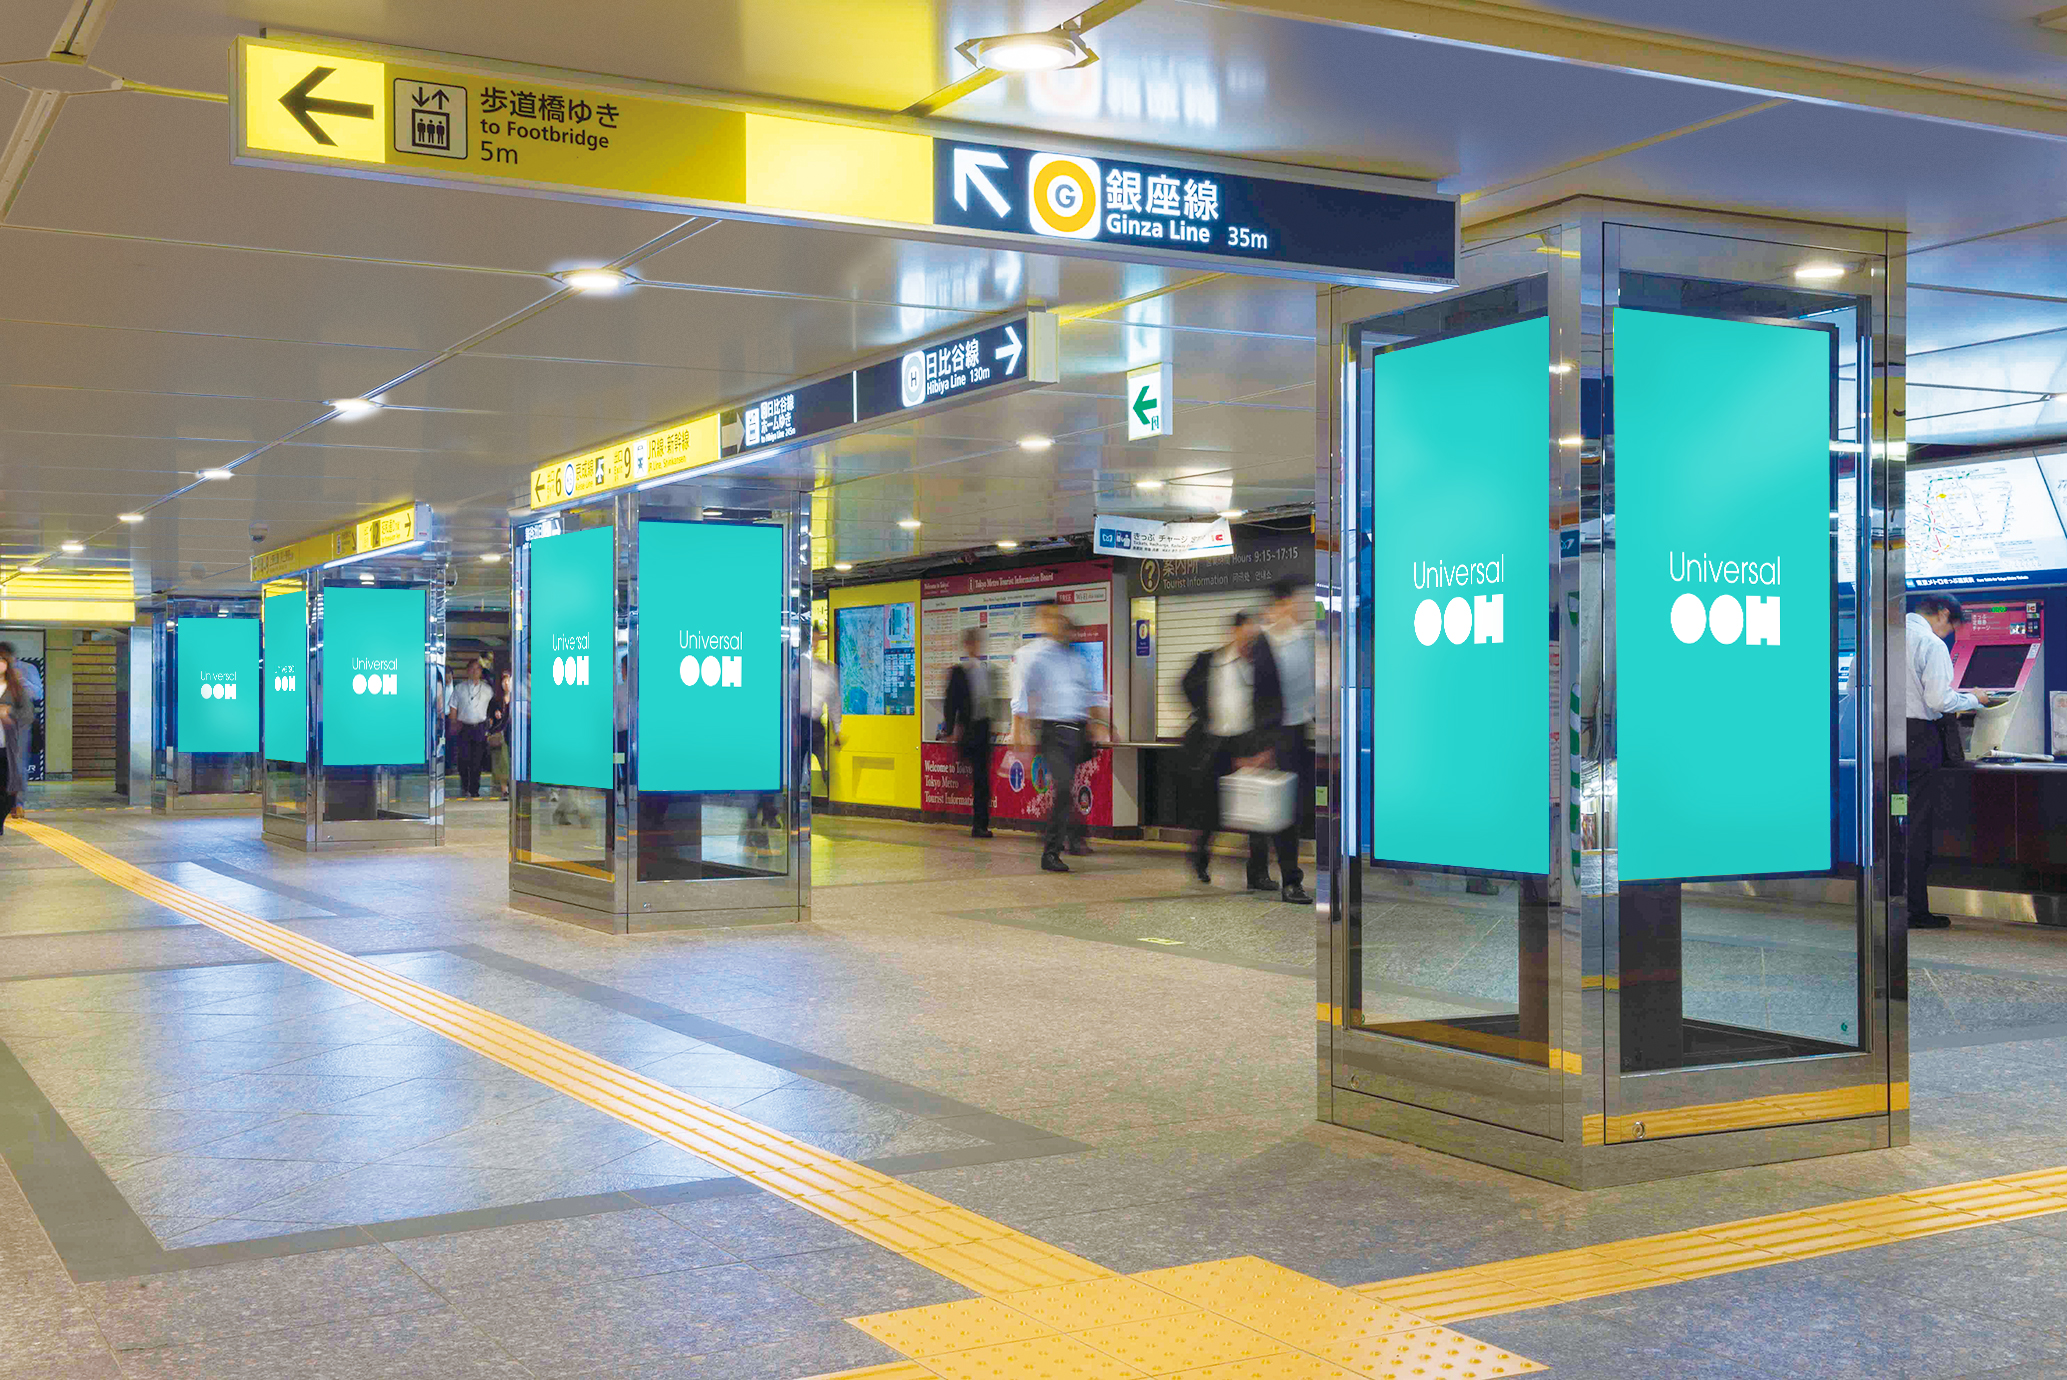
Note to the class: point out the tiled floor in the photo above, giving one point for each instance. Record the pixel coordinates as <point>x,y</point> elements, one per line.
<point>267,1176</point>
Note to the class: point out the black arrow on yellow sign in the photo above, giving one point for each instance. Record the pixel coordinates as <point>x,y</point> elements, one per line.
<point>301,105</point>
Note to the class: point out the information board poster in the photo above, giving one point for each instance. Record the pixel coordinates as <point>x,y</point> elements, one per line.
<point>1460,575</point>
<point>1985,522</point>
<point>219,697</point>
<point>286,618</point>
<point>572,644</point>
<point>374,677</point>
<point>877,649</point>
<point>710,656</point>
<point>1723,575</point>
<point>1001,605</point>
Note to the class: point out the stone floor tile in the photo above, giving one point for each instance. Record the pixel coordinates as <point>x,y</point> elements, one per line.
<point>434,1344</point>
<point>185,1185</point>
<point>388,1192</point>
<point>537,1256</point>
<point>659,1318</point>
<point>295,1291</point>
<point>865,1278</point>
<point>758,1226</point>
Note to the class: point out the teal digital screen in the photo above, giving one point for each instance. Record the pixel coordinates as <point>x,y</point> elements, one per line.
<point>374,678</point>
<point>1460,601</point>
<point>1724,659</point>
<point>218,685</point>
<point>710,656</point>
<point>287,667</point>
<point>573,620</point>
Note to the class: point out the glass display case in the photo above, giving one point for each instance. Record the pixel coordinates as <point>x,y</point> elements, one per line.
<point>1609,773</point>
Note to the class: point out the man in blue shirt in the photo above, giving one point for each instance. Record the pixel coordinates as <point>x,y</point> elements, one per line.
<point>1055,706</point>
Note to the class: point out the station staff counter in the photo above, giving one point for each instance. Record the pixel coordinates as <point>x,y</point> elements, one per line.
<point>2002,842</point>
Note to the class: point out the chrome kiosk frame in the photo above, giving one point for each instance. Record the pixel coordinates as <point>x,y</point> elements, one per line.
<point>1570,1026</point>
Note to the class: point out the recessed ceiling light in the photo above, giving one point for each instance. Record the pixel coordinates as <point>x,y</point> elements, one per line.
<point>1148,485</point>
<point>130,517</point>
<point>1041,52</point>
<point>1008,546</point>
<point>1569,441</point>
<point>217,474</point>
<point>31,569</point>
<point>72,548</point>
<point>1036,442</point>
<point>491,556</point>
<point>595,280</point>
<point>366,579</point>
<point>354,407</point>
<point>1561,368</point>
<point>1232,513</point>
<point>1821,271</point>
<point>909,524</point>
<point>843,565</point>
<point>714,512</point>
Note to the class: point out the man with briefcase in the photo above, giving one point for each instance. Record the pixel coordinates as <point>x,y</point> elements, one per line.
<point>1237,706</point>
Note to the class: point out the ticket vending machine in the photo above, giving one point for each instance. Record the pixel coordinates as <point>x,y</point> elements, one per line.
<point>2000,651</point>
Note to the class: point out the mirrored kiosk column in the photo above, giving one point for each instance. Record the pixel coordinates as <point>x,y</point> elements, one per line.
<point>205,753</point>
<point>655,740</point>
<point>1609,779</point>
<point>354,695</point>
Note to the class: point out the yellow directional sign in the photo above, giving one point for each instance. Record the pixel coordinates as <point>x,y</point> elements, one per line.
<point>402,115</point>
<point>392,528</point>
<point>670,450</point>
<point>310,101</point>
<point>298,103</point>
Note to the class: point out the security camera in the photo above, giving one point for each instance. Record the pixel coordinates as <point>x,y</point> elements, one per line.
<point>259,530</point>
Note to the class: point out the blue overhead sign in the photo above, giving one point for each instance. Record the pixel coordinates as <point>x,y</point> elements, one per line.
<point>1012,355</point>
<point>1320,230</point>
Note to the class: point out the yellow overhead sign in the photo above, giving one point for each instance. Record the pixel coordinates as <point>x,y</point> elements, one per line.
<point>670,450</point>
<point>310,100</point>
<point>393,528</point>
<point>365,110</point>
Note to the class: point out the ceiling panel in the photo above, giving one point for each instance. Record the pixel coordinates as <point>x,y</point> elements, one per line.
<point>28,27</point>
<point>1202,77</point>
<point>139,284</point>
<point>1979,40</point>
<point>131,163</point>
<point>112,359</point>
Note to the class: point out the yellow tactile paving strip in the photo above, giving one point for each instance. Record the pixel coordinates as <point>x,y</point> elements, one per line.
<point>1043,1314</point>
<point>1540,1281</point>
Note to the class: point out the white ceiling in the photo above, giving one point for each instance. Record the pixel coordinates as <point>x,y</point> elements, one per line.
<point>163,311</point>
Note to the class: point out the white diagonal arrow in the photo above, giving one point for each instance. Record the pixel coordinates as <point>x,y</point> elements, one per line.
<point>1011,350</point>
<point>969,166</point>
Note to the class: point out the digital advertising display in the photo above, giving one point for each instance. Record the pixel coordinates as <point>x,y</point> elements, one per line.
<point>1723,572</point>
<point>287,665</point>
<point>573,693</point>
<point>710,656</point>
<point>1460,600</point>
<point>374,679</point>
<point>218,685</point>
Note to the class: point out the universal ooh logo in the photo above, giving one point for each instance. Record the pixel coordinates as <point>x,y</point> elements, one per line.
<point>287,682</point>
<point>707,662</point>
<point>570,659</point>
<point>218,685</point>
<point>1467,616</point>
<point>375,677</point>
<point>1755,618</point>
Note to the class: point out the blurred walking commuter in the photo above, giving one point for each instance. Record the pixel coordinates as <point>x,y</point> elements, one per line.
<point>1057,708</point>
<point>467,703</point>
<point>1288,628</point>
<point>17,712</point>
<point>1237,708</point>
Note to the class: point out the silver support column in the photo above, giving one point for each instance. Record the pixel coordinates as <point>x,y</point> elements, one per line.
<point>1599,1033</point>
<point>623,859</point>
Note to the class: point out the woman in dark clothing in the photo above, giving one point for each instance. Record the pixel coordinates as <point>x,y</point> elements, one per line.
<point>17,714</point>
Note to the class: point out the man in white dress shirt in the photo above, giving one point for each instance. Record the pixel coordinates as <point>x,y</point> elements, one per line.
<point>1932,699</point>
<point>467,702</point>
